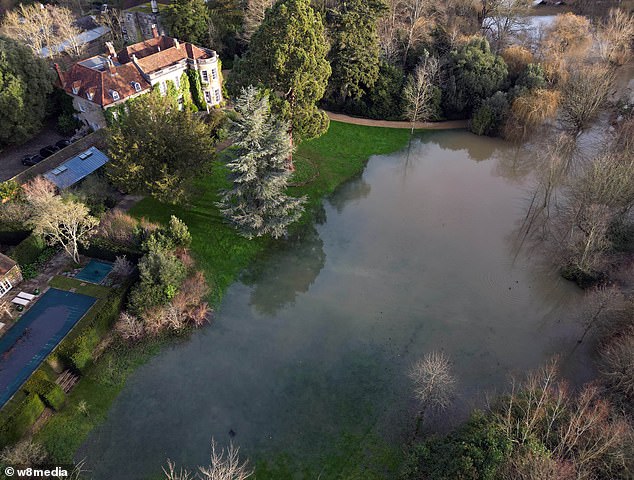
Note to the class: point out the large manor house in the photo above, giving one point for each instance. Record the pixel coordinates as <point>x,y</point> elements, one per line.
<point>104,81</point>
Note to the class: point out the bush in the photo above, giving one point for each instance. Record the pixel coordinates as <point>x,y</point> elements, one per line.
<point>50,392</point>
<point>76,350</point>
<point>475,452</point>
<point>9,190</point>
<point>474,73</point>
<point>24,453</point>
<point>12,233</point>
<point>106,250</point>
<point>489,118</point>
<point>28,250</point>
<point>20,419</point>
<point>67,124</point>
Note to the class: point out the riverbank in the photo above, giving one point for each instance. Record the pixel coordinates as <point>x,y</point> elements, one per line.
<point>339,155</point>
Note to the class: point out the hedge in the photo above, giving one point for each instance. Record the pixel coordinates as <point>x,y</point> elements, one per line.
<point>28,250</point>
<point>18,421</point>
<point>76,350</point>
<point>49,391</point>
<point>12,234</point>
<point>105,250</point>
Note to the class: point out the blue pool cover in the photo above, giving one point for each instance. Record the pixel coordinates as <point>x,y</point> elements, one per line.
<point>94,272</point>
<point>36,334</point>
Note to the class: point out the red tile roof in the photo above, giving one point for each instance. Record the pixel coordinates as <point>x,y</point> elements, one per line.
<point>102,83</point>
<point>151,55</point>
<point>162,59</point>
<point>6,264</point>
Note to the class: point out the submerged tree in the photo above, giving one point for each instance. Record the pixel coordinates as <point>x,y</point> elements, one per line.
<point>434,384</point>
<point>223,465</point>
<point>421,93</point>
<point>257,203</point>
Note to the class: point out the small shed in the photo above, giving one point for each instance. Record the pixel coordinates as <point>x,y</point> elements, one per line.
<point>77,168</point>
<point>10,274</point>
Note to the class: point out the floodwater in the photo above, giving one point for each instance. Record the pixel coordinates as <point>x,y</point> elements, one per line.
<point>315,343</point>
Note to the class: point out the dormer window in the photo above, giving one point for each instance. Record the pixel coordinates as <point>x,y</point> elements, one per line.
<point>115,95</point>
<point>75,88</point>
<point>90,95</point>
<point>137,86</point>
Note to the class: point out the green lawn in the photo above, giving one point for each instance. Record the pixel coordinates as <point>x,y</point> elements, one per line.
<point>338,156</point>
<point>223,254</point>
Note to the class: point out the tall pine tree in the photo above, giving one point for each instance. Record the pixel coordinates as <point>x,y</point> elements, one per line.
<point>287,56</point>
<point>354,55</point>
<point>257,204</point>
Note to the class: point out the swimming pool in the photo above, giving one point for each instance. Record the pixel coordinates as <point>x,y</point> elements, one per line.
<point>95,271</point>
<point>36,334</point>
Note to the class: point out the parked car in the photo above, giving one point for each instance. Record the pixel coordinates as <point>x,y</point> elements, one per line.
<point>30,160</point>
<point>48,151</point>
<point>63,143</point>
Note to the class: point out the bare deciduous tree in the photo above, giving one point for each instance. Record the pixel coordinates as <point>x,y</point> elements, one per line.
<point>434,384</point>
<point>253,16</point>
<point>113,20</point>
<point>420,91</point>
<point>224,465</point>
<point>617,365</point>
<point>580,430</point>
<point>65,222</point>
<point>130,327</point>
<point>501,19</point>
<point>531,111</point>
<point>584,93</point>
<point>615,36</point>
<point>39,26</point>
<point>602,305</point>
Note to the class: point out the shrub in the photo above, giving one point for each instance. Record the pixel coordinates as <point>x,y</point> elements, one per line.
<point>129,327</point>
<point>24,453</point>
<point>49,391</point>
<point>77,349</point>
<point>489,118</point>
<point>119,228</point>
<point>161,274</point>
<point>617,367</point>
<point>28,250</point>
<point>20,419</point>
<point>9,190</point>
<point>122,268</point>
<point>106,250</point>
<point>67,124</point>
<point>12,233</point>
<point>475,452</point>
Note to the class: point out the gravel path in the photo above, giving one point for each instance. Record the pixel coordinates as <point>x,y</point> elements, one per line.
<point>339,117</point>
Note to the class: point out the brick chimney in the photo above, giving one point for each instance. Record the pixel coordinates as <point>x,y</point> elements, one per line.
<point>111,68</point>
<point>177,44</point>
<point>60,75</point>
<point>111,51</point>
<point>155,33</point>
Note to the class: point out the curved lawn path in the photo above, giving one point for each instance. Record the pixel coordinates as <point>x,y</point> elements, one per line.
<point>447,125</point>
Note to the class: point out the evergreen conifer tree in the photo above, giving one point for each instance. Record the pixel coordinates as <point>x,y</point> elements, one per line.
<point>257,204</point>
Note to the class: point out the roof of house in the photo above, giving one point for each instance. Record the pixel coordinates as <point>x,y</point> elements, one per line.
<point>75,169</point>
<point>88,77</point>
<point>81,39</point>
<point>6,264</point>
<point>100,75</point>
